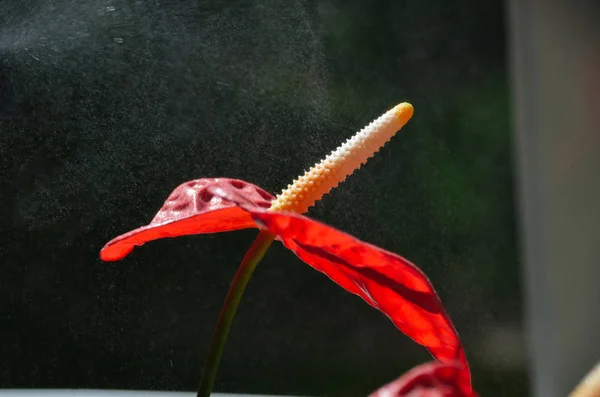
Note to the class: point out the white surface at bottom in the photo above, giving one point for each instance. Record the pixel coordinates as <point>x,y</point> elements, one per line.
<point>107,393</point>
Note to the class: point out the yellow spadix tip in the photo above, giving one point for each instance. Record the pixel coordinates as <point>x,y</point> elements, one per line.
<point>404,111</point>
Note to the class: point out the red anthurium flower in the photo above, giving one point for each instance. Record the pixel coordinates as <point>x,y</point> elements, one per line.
<point>428,380</point>
<point>383,279</point>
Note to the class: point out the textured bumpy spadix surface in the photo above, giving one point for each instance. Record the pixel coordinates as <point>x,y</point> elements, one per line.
<point>332,170</point>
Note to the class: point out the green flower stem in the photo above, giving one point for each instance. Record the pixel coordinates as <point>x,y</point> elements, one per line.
<point>254,255</point>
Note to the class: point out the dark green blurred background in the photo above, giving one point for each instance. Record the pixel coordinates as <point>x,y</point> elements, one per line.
<point>106,106</point>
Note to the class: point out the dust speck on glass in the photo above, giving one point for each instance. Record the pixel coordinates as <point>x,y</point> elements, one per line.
<point>106,107</point>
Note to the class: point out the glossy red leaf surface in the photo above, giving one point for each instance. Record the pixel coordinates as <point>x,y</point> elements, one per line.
<point>383,279</point>
<point>428,380</point>
<point>193,209</point>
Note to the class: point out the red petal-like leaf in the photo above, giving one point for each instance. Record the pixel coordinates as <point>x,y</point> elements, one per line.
<point>428,380</point>
<point>193,209</point>
<point>383,279</point>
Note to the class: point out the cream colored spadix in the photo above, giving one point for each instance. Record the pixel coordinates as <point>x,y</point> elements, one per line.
<point>332,170</point>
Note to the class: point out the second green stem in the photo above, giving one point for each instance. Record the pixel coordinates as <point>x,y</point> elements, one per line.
<point>254,255</point>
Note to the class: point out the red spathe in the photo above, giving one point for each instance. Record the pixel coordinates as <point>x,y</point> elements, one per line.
<point>386,281</point>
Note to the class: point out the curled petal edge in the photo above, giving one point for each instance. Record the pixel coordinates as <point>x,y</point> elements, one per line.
<point>192,208</point>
